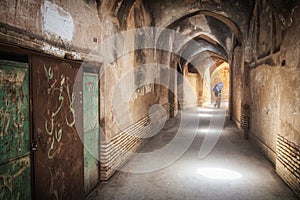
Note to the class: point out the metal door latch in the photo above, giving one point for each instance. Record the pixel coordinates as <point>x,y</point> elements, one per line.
<point>34,145</point>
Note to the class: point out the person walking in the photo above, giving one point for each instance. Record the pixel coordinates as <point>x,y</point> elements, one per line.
<point>218,99</point>
<point>218,94</point>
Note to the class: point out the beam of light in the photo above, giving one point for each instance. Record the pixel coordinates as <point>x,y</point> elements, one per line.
<point>219,173</point>
<point>204,109</point>
<point>207,130</point>
<point>202,130</point>
<point>204,115</point>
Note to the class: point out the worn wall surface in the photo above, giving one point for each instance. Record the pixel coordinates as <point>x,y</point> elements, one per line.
<point>288,138</point>
<point>166,12</point>
<point>122,79</point>
<point>290,79</point>
<point>273,80</point>
<point>236,94</point>
<point>274,87</point>
<point>193,90</point>
<point>127,97</point>
<point>59,28</point>
<point>265,95</point>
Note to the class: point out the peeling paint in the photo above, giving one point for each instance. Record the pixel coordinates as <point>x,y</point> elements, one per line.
<point>57,21</point>
<point>54,50</point>
<point>14,131</point>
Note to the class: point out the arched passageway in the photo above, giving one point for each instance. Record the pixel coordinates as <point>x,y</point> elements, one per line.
<point>121,98</point>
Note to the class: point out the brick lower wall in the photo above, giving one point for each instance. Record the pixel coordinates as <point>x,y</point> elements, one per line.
<point>288,163</point>
<point>114,153</point>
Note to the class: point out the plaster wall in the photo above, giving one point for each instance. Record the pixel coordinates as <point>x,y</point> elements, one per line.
<point>192,89</point>
<point>126,102</point>
<point>53,27</point>
<point>274,80</point>
<point>274,84</point>
<point>237,84</point>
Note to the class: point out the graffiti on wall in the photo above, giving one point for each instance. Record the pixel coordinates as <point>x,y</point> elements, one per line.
<point>14,131</point>
<point>15,179</point>
<point>60,115</point>
<point>13,112</point>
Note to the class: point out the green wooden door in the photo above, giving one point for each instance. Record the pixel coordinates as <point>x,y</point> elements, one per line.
<point>91,132</point>
<point>15,178</point>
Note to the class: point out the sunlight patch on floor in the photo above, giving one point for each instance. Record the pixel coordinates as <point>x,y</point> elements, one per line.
<point>219,173</point>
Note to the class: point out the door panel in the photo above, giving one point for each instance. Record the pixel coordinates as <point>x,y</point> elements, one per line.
<point>15,177</point>
<point>58,159</point>
<point>91,133</point>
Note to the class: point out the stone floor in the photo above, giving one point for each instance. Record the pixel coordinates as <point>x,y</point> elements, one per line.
<point>233,169</point>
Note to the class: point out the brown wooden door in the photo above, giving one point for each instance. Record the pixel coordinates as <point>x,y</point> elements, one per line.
<point>57,119</point>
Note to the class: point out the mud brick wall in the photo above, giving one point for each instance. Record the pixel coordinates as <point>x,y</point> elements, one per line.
<point>288,163</point>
